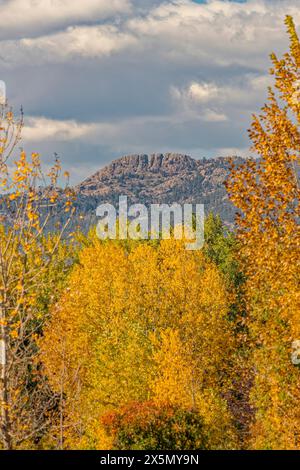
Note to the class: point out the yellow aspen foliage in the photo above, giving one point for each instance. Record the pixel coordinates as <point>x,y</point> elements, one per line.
<point>174,382</point>
<point>266,192</point>
<point>27,277</point>
<point>136,322</point>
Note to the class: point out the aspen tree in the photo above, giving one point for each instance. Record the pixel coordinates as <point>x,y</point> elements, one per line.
<point>266,192</point>
<point>28,201</point>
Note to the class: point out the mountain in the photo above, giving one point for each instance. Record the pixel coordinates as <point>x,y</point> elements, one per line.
<point>159,178</point>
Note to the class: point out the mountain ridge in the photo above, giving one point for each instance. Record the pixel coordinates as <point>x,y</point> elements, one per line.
<point>161,178</point>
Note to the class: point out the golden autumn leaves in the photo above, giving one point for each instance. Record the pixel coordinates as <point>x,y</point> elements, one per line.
<point>145,324</point>
<point>95,333</point>
<point>27,257</point>
<point>266,191</point>
<point>157,324</point>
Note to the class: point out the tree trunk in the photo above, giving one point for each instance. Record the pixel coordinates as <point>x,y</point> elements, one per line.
<point>4,395</point>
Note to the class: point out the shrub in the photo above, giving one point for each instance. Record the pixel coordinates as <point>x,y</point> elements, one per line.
<point>147,426</point>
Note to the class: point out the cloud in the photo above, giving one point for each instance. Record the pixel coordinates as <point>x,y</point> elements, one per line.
<point>191,102</point>
<point>101,79</point>
<point>216,101</point>
<point>85,147</point>
<point>219,32</point>
<point>40,128</point>
<point>211,115</point>
<point>202,92</point>
<point>74,43</point>
<point>30,17</point>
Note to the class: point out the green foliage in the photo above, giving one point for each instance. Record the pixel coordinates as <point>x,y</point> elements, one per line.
<point>220,247</point>
<point>148,426</point>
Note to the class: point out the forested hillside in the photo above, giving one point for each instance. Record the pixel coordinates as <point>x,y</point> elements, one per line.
<point>158,179</point>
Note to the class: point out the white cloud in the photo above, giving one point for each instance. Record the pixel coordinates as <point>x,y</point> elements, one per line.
<point>195,94</point>
<point>29,17</point>
<point>219,32</point>
<point>211,115</point>
<point>214,101</point>
<point>260,83</point>
<point>202,92</point>
<point>192,102</point>
<point>40,128</point>
<point>74,43</point>
<point>145,134</point>
<point>175,76</point>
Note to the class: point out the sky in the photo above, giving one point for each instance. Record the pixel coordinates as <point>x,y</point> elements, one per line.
<point>98,79</point>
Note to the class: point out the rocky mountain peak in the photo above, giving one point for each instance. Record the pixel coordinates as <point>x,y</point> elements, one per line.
<point>161,178</point>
